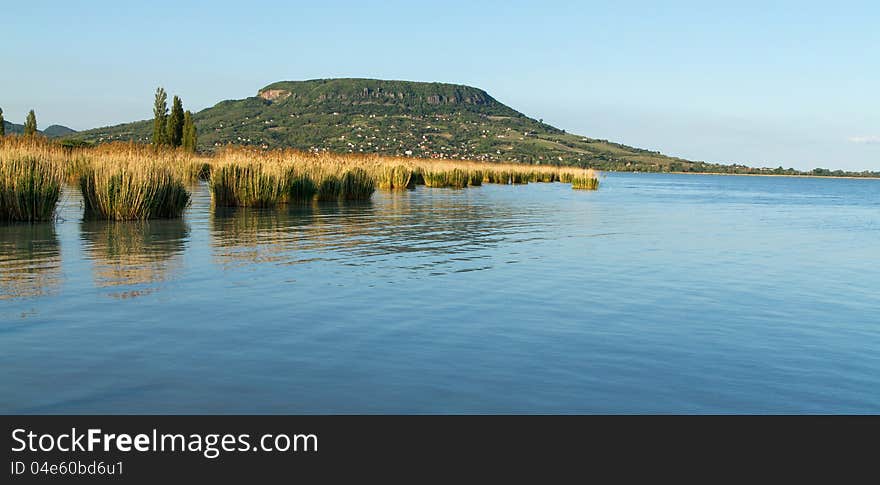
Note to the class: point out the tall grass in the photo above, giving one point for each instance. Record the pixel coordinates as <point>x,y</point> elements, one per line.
<point>133,188</point>
<point>456,178</point>
<point>123,181</point>
<point>250,185</point>
<point>395,177</point>
<point>587,180</point>
<point>30,187</point>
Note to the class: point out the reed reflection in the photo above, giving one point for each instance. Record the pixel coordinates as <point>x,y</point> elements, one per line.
<point>413,231</point>
<point>30,260</point>
<point>245,235</point>
<point>134,257</point>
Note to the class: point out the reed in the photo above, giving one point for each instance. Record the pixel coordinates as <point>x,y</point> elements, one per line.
<point>455,178</point>
<point>132,188</point>
<point>499,177</point>
<point>30,187</point>
<point>250,185</point>
<point>134,181</point>
<point>394,177</point>
<point>587,180</point>
<point>301,188</point>
<point>518,178</point>
<point>357,184</point>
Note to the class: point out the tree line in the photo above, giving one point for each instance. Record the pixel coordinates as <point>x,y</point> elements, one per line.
<point>175,128</point>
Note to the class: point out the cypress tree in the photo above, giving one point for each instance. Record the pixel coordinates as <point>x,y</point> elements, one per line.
<point>160,113</point>
<point>2,124</point>
<point>190,136</point>
<point>30,124</point>
<point>174,135</point>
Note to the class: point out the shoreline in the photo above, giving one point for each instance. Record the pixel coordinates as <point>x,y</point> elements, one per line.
<point>751,175</point>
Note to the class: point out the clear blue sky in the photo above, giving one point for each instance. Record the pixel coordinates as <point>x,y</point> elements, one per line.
<point>775,83</point>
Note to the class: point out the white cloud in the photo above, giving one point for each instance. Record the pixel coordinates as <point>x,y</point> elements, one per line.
<point>867,140</point>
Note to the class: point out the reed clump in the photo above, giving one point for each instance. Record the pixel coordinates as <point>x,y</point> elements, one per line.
<point>354,184</point>
<point>126,195</point>
<point>455,178</point>
<point>133,188</point>
<point>30,187</point>
<point>586,180</point>
<point>250,185</point>
<point>123,181</point>
<point>395,177</point>
<point>357,185</point>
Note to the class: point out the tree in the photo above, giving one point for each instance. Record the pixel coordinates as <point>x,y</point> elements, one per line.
<point>160,113</point>
<point>30,124</point>
<point>174,134</point>
<point>190,135</point>
<point>2,124</point>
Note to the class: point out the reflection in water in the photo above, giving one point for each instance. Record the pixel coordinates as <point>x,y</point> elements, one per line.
<point>247,235</point>
<point>439,231</point>
<point>30,260</point>
<point>137,254</point>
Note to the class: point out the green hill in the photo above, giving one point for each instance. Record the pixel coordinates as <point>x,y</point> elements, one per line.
<point>409,118</point>
<point>394,118</point>
<point>57,131</point>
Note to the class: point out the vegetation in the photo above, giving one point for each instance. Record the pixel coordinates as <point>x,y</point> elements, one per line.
<point>250,185</point>
<point>586,181</point>
<point>174,129</point>
<point>190,135</point>
<point>2,124</point>
<point>132,188</point>
<point>455,178</point>
<point>30,185</point>
<point>134,182</point>
<point>126,181</point>
<point>160,117</point>
<point>30,124</point>
<point>395,177</point>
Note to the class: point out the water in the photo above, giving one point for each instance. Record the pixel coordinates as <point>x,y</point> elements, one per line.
<point>658,293</point>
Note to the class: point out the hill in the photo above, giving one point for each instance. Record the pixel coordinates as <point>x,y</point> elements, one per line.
<point>432,120</point>
<point>53,131</point>
<point>57,131</point>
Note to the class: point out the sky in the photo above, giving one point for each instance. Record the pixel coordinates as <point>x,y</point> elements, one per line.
<point>767,83</point>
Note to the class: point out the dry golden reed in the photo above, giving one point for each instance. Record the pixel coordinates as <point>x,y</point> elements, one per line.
<point>123,181</point>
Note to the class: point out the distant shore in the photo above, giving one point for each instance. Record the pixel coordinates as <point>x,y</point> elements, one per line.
<point>767,175</point>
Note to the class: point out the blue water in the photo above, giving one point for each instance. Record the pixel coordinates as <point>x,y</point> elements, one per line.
<point>655,294</point>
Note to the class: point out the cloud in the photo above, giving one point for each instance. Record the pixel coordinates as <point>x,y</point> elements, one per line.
<point>865,140</point>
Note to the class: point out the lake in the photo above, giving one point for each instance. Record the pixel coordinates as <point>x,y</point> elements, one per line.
<point>655,294</point>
